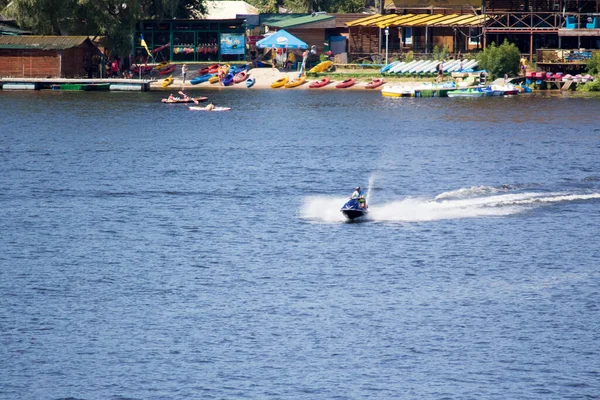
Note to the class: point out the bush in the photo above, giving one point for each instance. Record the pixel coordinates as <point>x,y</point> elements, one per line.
<point>500,60</point>
<point>593,86</point>
<point>593,65</point>
<point>440,53</point>
<point>408,57</point>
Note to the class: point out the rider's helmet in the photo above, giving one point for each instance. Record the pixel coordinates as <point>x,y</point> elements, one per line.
<point>358,188</point>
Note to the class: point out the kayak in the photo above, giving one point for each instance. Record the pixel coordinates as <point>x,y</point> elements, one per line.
<point>228,80</point>
<point>162,64</point>
<point>167,81</point>
<point>320,83</point>
<point>240,77</point>
<point>214,109</point>
<point>296,82</point>
<point>353,210</point>
<point>178,100</point>
<point>143,68</point>
<point>375,83</point>
<point>250,82</point>
<point>201,78</point>
<point>211,69</point>
<point>347,83</point>
<point>279,82</point>
<point>213,79</point>
<point>167,70</point>
<point>321,67</point>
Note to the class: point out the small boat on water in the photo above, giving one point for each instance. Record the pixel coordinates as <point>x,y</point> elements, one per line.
<point>346,84</point>
<point>504,90</point>
<point>280,82</point>
<point>352,209</point>
<point>179,100</point>
<point>375,83</point>
<point>167,81</point>
<point>296,82</point>
<point>201,78</point>
<point>196,108</point>
<point>320,83</point>
<point>250,81</point>
<point>470,92</point>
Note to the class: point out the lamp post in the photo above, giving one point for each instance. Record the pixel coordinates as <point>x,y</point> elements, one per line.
<point>387,35</point>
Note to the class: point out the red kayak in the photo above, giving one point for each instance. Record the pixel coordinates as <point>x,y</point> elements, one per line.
<point>144,69</point>
<point>168,70</point>
<point>347,83</point>
<point>211,69</point>
<point>374,83</point>
<point>240,77</point>
<point>320,83</point>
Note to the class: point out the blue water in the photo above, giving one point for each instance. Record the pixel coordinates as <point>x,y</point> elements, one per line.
<point>152,252</point>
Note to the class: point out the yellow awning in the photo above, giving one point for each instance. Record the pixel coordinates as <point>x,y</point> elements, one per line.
<point>426,20</point>
<point>396,21</point>
<point>383,21</point>
<point>406,19</point>
<point>361,21</point>
<point>433,20</point>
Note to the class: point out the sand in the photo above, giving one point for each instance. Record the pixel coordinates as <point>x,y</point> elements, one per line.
<point>263,76</point>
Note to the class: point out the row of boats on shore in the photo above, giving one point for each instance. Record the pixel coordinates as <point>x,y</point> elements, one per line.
<point>451,89</point>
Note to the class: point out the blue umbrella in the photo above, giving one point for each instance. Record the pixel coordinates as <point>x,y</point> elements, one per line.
<point>281,39</point>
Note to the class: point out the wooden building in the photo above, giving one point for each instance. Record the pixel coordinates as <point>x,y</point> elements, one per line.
<point>310,28</point>
<point>419,25</point>
<point>48,56</point>
<point>191,40</point>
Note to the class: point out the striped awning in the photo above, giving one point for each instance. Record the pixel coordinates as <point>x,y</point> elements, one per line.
<point>441,20</point>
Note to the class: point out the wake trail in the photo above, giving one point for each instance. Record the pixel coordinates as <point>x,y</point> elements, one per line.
<point>462,203</point>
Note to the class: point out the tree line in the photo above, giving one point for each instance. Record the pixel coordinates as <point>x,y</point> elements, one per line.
<point>117,19</point>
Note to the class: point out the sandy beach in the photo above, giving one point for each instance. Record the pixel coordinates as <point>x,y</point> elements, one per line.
<point>264,77</point>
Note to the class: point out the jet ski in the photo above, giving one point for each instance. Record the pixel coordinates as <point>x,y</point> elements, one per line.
<point>353,210</point>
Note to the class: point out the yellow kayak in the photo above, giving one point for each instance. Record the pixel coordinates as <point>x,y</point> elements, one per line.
<point>162,65</point>
<point>280,82</point>
<point>296,82</point>
<point>167,81</point>
<point>321,67</point>
<point>214,79</point>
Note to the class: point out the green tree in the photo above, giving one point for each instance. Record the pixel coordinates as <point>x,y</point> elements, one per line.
<point>265,6</point>
<point>332,6</point>
<point>115,19</point>
<point>593,65</point>
<point>500,60</point>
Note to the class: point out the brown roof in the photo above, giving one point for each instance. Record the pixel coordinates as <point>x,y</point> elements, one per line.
<point>42,42</point>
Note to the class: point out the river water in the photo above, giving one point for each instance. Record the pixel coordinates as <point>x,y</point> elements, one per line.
<point>152,252</point>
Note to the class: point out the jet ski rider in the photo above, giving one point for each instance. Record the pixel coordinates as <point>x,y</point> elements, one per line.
<point>360,196</point>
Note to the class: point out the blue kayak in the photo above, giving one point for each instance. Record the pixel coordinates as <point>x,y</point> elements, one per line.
<point>228,80</point>
<point>250,82</point>
<point>201,78</point>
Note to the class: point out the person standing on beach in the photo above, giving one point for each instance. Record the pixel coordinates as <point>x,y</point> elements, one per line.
<point>184,70</point>
<point>440,69</point>
<point>273,57</point>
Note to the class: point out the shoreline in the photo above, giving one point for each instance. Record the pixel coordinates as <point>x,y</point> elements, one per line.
<point>264,77</point>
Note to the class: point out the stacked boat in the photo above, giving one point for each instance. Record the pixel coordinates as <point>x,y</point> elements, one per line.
<point>425,68</point>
